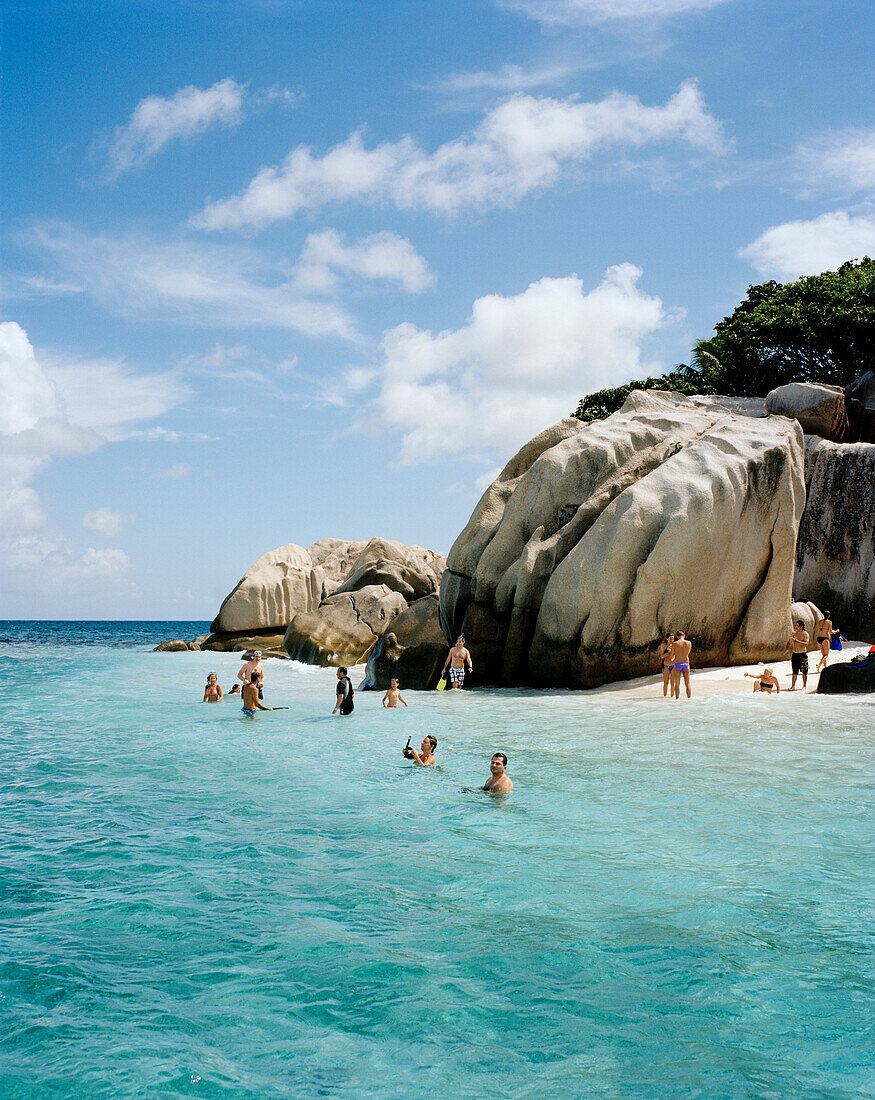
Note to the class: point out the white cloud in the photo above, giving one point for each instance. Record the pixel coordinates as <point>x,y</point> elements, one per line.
<point>56,565</point>
<point>570,13</point>
<point>105,522</point>
<point>521,146</point>
<point>217,285</point>
<point>507,78</point>
<point>517,365</point>
<point>157,120</point>
<point>180,469</point>
<point>840,161</point>
<point>809,247</point>
<point>382,256</point>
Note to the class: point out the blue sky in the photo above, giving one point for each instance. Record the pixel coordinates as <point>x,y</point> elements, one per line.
<point>282,269</point>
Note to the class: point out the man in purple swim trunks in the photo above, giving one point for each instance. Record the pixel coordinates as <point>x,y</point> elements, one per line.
<point>680,658</point>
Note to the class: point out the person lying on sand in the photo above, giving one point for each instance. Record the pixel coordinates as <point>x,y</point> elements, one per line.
<point>251,702</point>
<point>425,756</point>
<point>213,691</point>
<point>765,681</point>
<point>393,696</point>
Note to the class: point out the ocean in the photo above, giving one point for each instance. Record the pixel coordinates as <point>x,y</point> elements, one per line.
<point>675,901</point>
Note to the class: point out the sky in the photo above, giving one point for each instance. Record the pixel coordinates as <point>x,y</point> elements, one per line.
<point>274,270</point>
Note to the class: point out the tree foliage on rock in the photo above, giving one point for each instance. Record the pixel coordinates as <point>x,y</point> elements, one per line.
<point>820,328</point>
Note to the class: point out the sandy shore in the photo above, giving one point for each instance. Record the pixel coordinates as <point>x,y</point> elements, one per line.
<point>729,681</point>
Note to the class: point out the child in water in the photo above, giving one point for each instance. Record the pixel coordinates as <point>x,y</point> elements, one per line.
<point>213,691</point>
<point>393,696</point>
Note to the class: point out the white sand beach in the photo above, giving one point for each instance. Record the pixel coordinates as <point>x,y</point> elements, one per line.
<point>731,680</point>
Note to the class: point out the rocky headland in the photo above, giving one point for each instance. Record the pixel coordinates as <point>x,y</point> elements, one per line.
<point>728,518</point>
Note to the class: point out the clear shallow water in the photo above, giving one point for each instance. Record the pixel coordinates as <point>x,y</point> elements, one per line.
<point>676,901</point>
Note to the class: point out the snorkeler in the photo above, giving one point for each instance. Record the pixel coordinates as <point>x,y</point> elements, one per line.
<point>213,691</point>
<point>457,659</point>
<point>425,756</point>
<point>251,702</point>
<point>393,696</point>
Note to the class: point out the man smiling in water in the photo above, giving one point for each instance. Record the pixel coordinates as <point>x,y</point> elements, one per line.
<point>499,781</point>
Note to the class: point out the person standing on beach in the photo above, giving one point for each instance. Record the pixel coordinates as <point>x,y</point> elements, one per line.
<point>797,643</point>
<point>680,658</point>
<point>823,633</point>
<point>253,664</point>
<point>345,693</point>
<point>457,659</point>
<point>667,666</point>
<point>251,702</point>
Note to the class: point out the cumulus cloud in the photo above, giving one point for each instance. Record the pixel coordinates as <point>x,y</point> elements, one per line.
<point>158,120</point>
<point>522,145</point>
<point>382,256</point>
<point>105,522</point>
<point>189,282</point>
<point>809,247</point>
<point>571,13</point>
<point>518,364</point>
<point>843,162</point>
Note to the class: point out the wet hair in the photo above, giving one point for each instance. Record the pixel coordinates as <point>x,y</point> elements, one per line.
<point>680,634</point>
<point>432,740</point>
<point>342,670</point>
<point>502,755</point>
<point>799,622</point>
<point>394,680</point>
<point>253,677</point>
<point>210,675</point>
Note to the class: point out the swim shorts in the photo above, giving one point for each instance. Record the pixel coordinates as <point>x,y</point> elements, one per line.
<point>799,662</point>
<point>248,711</point>
<point>682,666</point>
<point>457,676</point>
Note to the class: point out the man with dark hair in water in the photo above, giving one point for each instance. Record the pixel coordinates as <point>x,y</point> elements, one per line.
<point>344,693</point>
<point>251,702</point>
<point>797,643</point>
<point>499,782</point>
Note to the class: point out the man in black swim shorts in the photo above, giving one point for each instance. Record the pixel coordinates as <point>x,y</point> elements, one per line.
<point>798,644</point>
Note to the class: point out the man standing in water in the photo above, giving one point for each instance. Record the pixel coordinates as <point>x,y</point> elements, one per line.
<point>499,782</point>
<point>680,658</point>
<point>457,659</point>
<point>253,664</point>
<point>344,693</point>
<point>251,701</point>
<point>797,643</point>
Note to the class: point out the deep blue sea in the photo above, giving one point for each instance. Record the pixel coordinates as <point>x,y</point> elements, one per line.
<point>676,900</point>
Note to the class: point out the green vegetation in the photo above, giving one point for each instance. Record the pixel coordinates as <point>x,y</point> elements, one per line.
<point>820,328</point>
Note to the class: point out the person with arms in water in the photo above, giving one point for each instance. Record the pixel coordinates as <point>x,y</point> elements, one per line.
<point>765,681</point>
<point>680,658</point>
<point>345,693</point>
<point>425,756</point>
<point>393,696</point>
<point>499,782</point>
<point>457,659</point>
<point>253,664</point>
<point>797,643</point>
<point>251,702</point>
<point>213,691</point>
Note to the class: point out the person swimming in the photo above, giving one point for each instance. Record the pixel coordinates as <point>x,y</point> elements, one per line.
<point>499,782</point>
<point>425,756</point>
<point>213,691</point>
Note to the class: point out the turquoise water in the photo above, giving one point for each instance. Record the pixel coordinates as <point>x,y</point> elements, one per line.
<point>676,901</point>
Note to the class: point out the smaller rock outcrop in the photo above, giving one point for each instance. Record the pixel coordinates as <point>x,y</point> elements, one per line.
<point>413,650</point>
<point>810,616</point>
<point>820,409</point>
<point>409,570</point>
<point>344,628</point>
<point>847,678</point>
<point>174,645</point>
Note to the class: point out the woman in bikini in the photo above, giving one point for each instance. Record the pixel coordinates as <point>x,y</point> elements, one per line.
<point>665,657</point>
<point>213,691</point>
<point>823,632</point>
<point>765,681</point>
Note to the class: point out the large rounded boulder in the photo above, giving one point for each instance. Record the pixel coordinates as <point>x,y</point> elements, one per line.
<point>412,650</point>
<point>598,539</point>
<point>271,592</point>
<point>409,570</point>
<point>819,408</point>
<point>344,628</point>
